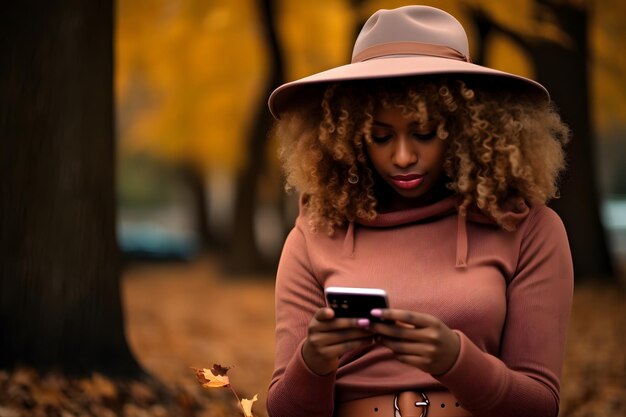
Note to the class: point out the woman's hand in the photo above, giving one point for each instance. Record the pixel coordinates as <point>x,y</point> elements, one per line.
<point>418,339</point>
<point>329,338</point>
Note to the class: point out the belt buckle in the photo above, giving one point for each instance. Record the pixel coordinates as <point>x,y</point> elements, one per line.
<point>424,403</point>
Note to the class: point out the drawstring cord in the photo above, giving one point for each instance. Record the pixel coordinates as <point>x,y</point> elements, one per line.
<point>461,241</point>
<point>348,242</point>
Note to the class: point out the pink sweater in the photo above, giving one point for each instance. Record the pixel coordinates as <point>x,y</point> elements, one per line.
<point>507,295</point>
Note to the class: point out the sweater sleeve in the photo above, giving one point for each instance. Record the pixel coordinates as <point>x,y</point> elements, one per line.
<point>295,390</point>
<point>524,379</point>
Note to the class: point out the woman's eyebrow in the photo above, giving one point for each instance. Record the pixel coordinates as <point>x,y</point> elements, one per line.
<point>381,124</point>
<point>411,124</point>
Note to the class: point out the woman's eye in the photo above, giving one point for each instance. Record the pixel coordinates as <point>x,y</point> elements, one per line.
<point>425,136</point>
<point>381,138</point>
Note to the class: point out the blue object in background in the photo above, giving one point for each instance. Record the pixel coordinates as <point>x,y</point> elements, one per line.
<point>614,219</point>
<point>148,240</point>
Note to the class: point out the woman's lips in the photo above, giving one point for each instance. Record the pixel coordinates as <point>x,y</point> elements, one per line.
<point>407,182</point>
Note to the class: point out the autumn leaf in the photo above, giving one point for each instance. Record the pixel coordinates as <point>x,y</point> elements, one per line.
<point>246,405</point>
<point>216,378</point>
<point>213,378</point>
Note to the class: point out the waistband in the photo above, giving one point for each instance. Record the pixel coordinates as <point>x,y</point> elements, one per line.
<point>404,404</point>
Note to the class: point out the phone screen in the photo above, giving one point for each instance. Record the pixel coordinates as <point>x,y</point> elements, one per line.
<point>356,302</point>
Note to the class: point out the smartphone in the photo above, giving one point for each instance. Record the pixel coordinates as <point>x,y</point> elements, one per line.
<point>356,302</point>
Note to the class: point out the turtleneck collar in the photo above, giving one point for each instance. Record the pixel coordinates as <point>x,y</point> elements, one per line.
<point>440,208</point>
<point>515,211</point>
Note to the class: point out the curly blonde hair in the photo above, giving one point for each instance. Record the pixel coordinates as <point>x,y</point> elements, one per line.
<point>500,146</point>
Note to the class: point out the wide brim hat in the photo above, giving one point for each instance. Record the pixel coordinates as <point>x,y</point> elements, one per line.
<point>403,42</point>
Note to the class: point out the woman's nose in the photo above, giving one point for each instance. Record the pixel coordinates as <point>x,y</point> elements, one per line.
<point>405,153</point>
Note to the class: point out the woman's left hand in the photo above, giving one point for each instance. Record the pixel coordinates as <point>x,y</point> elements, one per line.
<point>418,339</point>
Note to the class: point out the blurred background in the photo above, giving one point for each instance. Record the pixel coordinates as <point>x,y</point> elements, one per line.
<point>198,176</point>
<point>197,202</point>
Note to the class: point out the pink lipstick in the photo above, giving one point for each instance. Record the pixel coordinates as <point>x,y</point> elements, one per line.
<point>407,182</point>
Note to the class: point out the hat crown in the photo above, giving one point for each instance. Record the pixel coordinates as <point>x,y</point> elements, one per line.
<point>417,24</point>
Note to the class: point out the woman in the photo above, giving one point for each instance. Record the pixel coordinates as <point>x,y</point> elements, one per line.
<point>427,176</point>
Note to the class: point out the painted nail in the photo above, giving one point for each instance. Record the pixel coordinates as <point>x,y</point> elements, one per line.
<point>376,312</point>
<point>363,322</point>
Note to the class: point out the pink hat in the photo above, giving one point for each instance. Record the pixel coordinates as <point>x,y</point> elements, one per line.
<point>407,41</point>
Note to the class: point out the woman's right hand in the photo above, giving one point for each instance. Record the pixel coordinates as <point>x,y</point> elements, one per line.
<point>329,337</point>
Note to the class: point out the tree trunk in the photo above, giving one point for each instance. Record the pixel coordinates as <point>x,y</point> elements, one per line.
<point>245,256</point>
<point>59,274</point>
<point>563,70</point>
<point>565,73</point>
<point>193,178</point>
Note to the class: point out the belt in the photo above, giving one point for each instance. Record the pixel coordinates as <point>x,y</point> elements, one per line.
<point>404,404</point>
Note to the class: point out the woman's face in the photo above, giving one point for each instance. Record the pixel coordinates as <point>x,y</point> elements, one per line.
<point>407,154</point>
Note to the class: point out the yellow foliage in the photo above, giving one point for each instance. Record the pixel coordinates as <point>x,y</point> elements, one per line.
<point>188,77</point>
<point>607,39</point>
<point>505,55</point>
<point>315,35</point>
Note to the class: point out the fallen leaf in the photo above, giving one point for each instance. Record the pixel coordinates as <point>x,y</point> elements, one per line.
<point>104,386</point>
<point>141,393</point>
<point>247,405</point>
<point>213,378</point>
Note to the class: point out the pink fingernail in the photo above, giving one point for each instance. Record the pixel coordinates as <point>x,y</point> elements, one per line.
<point>376,312</point>
<point>363,322</point>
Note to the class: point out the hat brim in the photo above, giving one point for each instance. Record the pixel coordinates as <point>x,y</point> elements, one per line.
<point>401,66</point>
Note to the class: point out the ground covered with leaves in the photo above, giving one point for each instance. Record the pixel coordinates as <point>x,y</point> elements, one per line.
<point>24,392</point>
<point>184,316</point>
